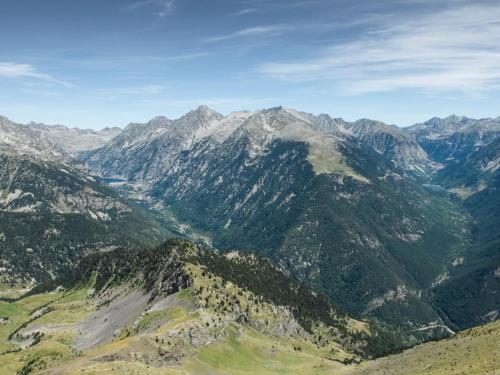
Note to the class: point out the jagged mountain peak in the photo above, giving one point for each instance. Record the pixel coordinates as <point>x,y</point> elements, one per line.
<point>203,112</point>
<point>326,116</point>
<point>199,118</point>
<point>111,128</point>
<point>451,121</point>
<point>287,111</point>
<point>203,109</point>
<point>278,122</point>
<point>454,117</point>
<point>259,129</point>
<point>158,119</point>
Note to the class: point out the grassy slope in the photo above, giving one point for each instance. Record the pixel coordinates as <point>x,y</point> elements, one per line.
<point>474,351</point>
<point>68,309</point>
<point>244,350</point>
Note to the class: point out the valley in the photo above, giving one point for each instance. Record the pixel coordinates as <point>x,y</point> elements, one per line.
<point>314,245</point>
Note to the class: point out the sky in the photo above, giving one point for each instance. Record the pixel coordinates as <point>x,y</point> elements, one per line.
<point>98,63</point>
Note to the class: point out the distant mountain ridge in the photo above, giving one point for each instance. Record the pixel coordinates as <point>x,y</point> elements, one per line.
<point>141,142</point>
<point>454,137</point>
<point>55,140</point>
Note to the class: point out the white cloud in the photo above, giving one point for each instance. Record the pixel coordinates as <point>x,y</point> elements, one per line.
<point>250,31</point>
<point>455,49</point>
<point>165,7</point>
<point>13,70</point>
<point>245,12</point>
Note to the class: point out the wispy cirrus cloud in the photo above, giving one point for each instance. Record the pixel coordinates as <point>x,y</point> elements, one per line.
<point>244,12</point>
<point>455,49</point>
<point>249,31</point>
<point>13,70</point>
<point>163,8</point>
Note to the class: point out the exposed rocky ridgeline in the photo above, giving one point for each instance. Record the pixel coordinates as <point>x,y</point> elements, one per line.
<point>75,140</point>
<point>138,154</point>
<point>394,144</point>
<point>228,289</point>
<point>23,140</point>
<point>143,152</point>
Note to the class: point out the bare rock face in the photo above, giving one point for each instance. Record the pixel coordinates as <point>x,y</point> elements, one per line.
<point>143,152</point>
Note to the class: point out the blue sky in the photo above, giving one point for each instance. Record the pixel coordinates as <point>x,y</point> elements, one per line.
<point>97,63</point>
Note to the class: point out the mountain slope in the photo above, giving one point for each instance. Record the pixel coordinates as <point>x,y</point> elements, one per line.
<point>468,151</point>
<point>455,137</point>
<point>472,293</point>
<point>474,351</point>
<point>75,140</point>
<point>179,310</point>
<point>51,213</point>
<point>143,152</point>
<point>22,140</point>
<point>326,207</point>
<point>393,144</point>
<point>177,307</point>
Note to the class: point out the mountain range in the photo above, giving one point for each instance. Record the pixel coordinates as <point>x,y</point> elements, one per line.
<point>395,226</point>
<point>332,202</point>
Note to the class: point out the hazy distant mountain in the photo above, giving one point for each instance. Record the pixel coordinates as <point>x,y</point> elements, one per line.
<point>75,140</point>
<point>51,140</point>
<point>454,137</point>
<point>24,140</point>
